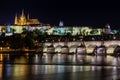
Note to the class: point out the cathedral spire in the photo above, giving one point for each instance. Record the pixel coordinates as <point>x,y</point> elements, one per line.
<point>23,13</point>
<point>23,18</point>
<point>16,19</point>
<point>28,17</point>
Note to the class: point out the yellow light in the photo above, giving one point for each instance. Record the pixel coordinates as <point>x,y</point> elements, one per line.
<point>1,48</point>
<point>1,57</point>
<point>45,54</point>
<point>1,70</point>
<point>59,54</point>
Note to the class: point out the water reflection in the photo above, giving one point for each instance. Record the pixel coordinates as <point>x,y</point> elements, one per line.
<point>58,67</point>
<point>114,73</point>
<point>1,57</point>
<point>61,59</point>
<point>0,71</point>
<point>99,60</point>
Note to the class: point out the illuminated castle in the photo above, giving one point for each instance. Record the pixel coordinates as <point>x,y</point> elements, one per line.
<point>23,20</point>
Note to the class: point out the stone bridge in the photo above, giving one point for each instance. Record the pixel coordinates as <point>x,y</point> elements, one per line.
<point>90,45</point>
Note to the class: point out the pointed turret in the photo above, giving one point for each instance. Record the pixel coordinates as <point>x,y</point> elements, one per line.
<point>28,17</point>
<point>23,18</point>
<point>23,13</point>
<point>16,19</point>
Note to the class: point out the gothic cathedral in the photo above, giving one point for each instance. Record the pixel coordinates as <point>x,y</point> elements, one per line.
<point>23,20</point>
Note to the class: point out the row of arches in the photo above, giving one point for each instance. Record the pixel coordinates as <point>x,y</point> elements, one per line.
<point>82,49</point>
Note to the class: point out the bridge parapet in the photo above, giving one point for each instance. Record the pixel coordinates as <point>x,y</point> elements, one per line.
<point>87,43</point>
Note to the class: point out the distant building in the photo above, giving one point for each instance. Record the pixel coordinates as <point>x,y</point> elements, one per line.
<point>23,20</point>
<point>107,29</point>
<point>61,23</point>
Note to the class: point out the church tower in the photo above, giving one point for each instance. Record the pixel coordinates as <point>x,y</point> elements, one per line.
<point>28,17</point>
<point>16,19</point>
<point>22,18</point>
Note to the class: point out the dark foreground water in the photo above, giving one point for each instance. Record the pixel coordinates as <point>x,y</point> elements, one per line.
<point>58,67</point>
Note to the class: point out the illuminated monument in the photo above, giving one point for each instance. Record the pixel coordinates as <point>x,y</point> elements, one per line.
<point>23,20</point>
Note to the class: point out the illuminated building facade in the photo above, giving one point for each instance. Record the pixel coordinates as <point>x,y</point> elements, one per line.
<point>57,30</point>
<point>107,29</point>
<point>73,30</point>
<point>23,20</point>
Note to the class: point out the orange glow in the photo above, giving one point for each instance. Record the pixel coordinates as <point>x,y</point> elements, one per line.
<point>1,71</point>
<point>1,57</point>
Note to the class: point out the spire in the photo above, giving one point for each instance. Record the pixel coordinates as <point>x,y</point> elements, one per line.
<point>22,13</point>
<point>16,19</point>
<point>28,17</point>
<point>22,18</point>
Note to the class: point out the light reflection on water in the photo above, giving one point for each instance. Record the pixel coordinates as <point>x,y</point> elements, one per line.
<point>58,66</point>
<point>0,71</point>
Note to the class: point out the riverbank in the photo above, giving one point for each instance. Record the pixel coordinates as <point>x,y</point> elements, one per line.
<point>18,50</point>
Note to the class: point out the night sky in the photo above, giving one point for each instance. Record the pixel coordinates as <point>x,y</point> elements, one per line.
<point>94,13</point>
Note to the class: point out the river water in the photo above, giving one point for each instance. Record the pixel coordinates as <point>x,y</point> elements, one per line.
<point>31,66</point>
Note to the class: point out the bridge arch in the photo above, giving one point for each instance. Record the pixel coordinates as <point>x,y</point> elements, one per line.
<point>116,51</point>
<point>72,49</point>
<point>90,49</point>
<point>111,49</point>
<point>58,48</point>
<point>100,50</point>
